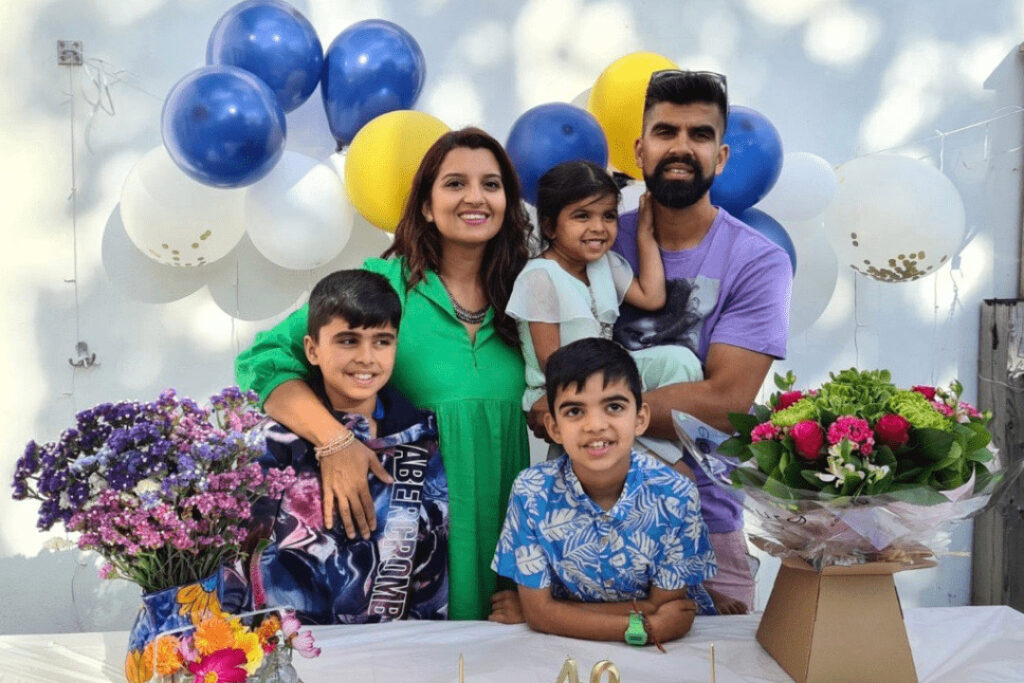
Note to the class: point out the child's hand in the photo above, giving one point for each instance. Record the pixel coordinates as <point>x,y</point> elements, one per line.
<point>506,608</point>
<point>673,619</point>
<point>645,217</point>
<point>724,604</point>
<point>343,477</point>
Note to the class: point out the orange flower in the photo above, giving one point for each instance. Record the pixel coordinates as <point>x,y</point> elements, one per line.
<point>138,667</point>
<point>212,634</point>
<point>268,630</point>
<point>168,655</point>
<point>196,603</point>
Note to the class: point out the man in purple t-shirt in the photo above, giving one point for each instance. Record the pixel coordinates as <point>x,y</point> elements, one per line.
<point>728,289</point>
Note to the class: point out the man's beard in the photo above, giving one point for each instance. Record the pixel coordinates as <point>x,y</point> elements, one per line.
<point>678,194</point>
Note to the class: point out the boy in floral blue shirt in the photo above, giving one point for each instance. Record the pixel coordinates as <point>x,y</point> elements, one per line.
<point>603,534</point>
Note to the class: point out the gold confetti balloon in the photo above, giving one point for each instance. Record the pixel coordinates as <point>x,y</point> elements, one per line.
<point>894,218</point>
<point>175,220</point>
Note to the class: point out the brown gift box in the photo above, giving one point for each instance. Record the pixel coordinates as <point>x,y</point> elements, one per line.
<point>838,624</point>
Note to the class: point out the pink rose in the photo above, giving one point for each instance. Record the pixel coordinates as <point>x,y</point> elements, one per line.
<point>927,392</point>
<point>787,399</point>
<point>893,430</point>
<point>808,439</point>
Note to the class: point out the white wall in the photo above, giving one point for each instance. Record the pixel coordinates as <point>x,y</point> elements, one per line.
<point>838,78</point>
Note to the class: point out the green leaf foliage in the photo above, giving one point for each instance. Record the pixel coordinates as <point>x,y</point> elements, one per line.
<point>744,423</point>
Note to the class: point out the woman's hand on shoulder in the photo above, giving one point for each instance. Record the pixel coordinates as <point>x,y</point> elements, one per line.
<point>345,487</point>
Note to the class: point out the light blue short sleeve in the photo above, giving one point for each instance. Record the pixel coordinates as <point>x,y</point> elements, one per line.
<point>519,555</point>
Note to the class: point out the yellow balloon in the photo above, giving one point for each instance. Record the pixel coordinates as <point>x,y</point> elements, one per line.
<point>617,102</point>
<point>382,161</point>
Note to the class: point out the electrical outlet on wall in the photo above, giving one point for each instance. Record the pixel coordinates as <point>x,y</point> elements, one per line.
<point>69,53</point>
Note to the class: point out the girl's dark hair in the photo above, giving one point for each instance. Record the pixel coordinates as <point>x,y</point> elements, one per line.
<point>419,242</point>
<point>570,182</point>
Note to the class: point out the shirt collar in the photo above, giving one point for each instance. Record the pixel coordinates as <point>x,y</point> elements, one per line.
<point>622,507</point>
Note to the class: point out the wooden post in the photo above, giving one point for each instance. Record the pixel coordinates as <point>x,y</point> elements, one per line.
<point>997,575</point>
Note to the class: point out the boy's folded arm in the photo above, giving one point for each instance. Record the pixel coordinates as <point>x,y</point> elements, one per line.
<point>562,618</point>
<point>649,605</point>
<point>669,620</point>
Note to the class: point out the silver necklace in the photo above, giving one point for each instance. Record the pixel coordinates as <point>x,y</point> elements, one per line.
<point>463,314</point>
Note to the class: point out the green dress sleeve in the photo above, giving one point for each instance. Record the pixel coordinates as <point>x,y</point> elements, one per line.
<point>276,356</point>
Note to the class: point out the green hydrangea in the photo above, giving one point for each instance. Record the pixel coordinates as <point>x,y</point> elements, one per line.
<point>804,409</point>
<point>857,392</point>
<point>917,410</point>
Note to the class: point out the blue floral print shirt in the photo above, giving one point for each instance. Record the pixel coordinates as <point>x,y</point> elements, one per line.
<point>555,536</point>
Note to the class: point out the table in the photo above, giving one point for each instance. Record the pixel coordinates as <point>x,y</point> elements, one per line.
<point>953,644</point>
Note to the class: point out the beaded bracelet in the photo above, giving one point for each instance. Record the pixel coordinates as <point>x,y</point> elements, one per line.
<point>339,443</point>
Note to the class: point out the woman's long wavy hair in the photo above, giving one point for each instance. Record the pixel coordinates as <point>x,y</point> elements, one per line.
<point>419,242</point>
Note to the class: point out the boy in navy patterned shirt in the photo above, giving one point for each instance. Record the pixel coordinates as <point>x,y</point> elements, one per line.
<point>603,533</point>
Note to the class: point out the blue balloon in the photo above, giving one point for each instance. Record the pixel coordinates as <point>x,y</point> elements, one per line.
<point>223,127</point>
<point>770,228</point>
<point>371,68</point>
<point>755,161</point>
<point>272,40</point>
<point>549,134</point>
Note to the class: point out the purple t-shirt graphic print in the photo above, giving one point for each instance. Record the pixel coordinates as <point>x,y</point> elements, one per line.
<point>732,288</point>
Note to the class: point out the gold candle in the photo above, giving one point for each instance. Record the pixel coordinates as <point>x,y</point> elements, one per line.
<point>597,673</point>
<point>570,672</point>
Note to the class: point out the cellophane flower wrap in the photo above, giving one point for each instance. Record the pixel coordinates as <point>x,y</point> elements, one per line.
<point>162,490</point>
<point>858,470</point>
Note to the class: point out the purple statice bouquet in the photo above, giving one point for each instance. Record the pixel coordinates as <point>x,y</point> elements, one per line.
<point>161,490</point>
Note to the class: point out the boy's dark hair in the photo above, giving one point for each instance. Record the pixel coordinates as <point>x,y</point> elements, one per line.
<point>575,363</point>
<point>568,182</point>
<point>687,87</point>
<point>361,298</point>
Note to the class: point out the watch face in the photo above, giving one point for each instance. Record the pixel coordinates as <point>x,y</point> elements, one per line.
<point>636,634</point>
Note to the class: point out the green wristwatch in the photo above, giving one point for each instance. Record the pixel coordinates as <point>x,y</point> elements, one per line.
<point>636,634</point>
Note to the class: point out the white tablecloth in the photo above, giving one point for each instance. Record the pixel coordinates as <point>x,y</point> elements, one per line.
<point>953,644</point>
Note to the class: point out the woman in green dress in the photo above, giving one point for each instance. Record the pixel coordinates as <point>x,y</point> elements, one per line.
<point>460,243</point>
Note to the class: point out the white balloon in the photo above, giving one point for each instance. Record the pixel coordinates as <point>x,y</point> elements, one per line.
<point>176,220</point>
<point>582,99</point>
<point>815,279</point>
<point>299,216</point>
<point>631,194</point>
<point>804,188</point>
<point>894,219</point>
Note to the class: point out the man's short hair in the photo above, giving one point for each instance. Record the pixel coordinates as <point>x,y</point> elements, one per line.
<point>361,298</point>
<point>575,363</point>
<point>687,87</point>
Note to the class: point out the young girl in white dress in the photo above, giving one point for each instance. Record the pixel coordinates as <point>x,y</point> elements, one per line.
<point>574,288</point>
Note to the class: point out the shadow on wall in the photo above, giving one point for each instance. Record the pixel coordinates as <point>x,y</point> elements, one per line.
<point>66,595</point>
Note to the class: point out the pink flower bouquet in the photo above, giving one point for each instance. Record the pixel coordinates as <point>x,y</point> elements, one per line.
<point>859,470</point>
